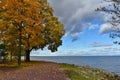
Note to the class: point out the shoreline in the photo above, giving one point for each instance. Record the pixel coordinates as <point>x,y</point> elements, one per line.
<point>87,73</point>
<point>62,71</point>
<point>77,65</point>
<point>95,71</point>
<point>106,63</point>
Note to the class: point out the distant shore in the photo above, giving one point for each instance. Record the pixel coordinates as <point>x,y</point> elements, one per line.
<point>42,70</point>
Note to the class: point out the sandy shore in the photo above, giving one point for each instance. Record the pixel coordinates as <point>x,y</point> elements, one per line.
<point>40,71</point>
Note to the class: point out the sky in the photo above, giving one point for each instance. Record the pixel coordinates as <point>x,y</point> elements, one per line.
<point>87,31</point>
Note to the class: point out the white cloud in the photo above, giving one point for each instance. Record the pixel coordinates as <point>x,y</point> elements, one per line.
<point>93,51</point>
<point>76,14</point>
<point>93,26</point>
<point>105,28</point>
<point>99,44</point>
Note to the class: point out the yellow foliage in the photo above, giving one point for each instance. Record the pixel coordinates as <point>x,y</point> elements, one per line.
<point>28,17</point>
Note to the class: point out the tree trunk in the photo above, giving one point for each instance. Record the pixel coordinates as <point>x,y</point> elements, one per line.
<point>27,59</point>
<point>20,42</point>
<point>11,56</point>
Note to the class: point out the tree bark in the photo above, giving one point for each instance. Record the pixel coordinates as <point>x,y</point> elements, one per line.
<point>20,42</point>
<point>27,59</point>
<point>11,56</point>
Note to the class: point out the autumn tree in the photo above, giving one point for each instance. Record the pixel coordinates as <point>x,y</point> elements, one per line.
<point>29,24</point>
<point>112,9</point>
<point>3,53</point>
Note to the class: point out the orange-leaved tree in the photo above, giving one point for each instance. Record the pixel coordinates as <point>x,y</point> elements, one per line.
<point>29,24</point>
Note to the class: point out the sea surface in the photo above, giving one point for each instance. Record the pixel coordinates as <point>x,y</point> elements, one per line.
<point>109,63</point>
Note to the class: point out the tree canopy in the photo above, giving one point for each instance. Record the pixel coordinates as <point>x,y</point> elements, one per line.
<point>29,24</point>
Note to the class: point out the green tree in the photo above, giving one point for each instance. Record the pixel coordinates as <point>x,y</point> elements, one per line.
<point>29,24</point>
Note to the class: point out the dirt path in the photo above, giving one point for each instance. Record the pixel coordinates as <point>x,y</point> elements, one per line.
<point>41,71</point>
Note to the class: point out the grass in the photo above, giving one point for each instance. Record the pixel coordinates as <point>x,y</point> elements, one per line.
<point>87,73</point>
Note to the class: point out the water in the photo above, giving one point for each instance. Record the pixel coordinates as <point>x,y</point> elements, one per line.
<point>110,63</point>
